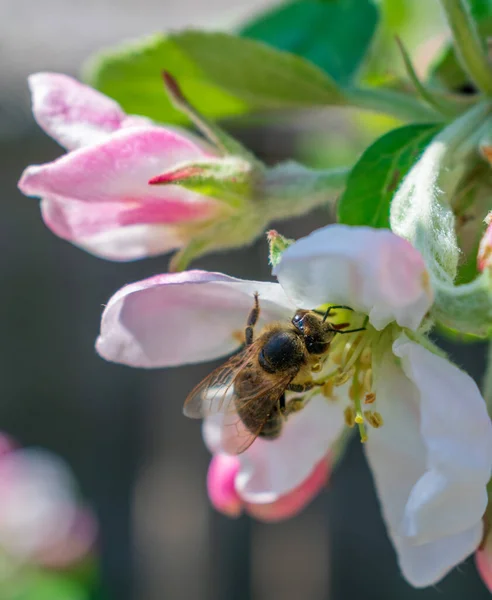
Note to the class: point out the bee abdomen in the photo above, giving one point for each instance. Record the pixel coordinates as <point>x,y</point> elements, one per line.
<point>273,426</point>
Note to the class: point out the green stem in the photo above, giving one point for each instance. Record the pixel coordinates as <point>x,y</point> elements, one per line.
<point>398,104</point>
<point>420,88</point>
<point>291,189</point>
<point>468,45</point>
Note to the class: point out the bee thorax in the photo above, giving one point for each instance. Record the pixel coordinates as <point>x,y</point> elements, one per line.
<point>283,351</point>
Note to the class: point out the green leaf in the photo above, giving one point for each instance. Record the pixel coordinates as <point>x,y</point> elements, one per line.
<point>221,75</point>
<point>378,173</point>
<point>446,69</point>
<point>333,34</point>
<point>46,586</point>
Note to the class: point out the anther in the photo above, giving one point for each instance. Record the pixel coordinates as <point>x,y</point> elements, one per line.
<point>343,377</point>
<point>327,389</point>
<point>374,419</point>
<point>366,357</point>
<point>336,358</point>
<point>349,415</point>
<point>369,398</point>
<point>378,419</point>
<point>367,383</point>
<point>316,368</point>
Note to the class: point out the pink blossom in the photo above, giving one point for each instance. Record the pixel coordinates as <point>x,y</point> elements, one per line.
<point>98,195</point>
<point>430,453</point>
<point>483,561</point>
<point>41,520</point>
<point>484,258</point>
<point>225,497</point>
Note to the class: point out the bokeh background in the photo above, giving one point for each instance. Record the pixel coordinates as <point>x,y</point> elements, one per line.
<point>139,462</point>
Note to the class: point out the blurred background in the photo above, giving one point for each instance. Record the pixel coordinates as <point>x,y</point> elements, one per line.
<point>138,462</point>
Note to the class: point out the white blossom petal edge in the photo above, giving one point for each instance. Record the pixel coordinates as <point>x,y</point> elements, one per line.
<point>431,461</point>
<point>372,270</point>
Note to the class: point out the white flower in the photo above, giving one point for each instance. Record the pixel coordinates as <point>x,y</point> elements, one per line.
<point>429,438</point>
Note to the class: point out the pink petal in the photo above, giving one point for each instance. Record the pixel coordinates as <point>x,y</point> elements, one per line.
<point>295,501</point>
<point>372,270</point>
<point>99,232</point>
<point>76,544</point>
<point>72,113</point>
<point>221,484</point>
<point>183,318</point>
<point>118,170</point>
<point>484,258</point>
<point>483,561</point>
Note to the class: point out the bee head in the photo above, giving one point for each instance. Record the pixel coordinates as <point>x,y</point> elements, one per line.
<point>317,334</point>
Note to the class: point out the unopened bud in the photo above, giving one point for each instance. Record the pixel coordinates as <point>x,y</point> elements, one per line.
<point>277,244</point>
<point>484,257</point>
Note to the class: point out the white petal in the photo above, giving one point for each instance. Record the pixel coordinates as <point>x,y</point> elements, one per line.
<point>372,270</point>
<point>429,523</point>
<point>183,318</point>
<point>271,468</point>
<point>456,430</point>
<point>427,564</point>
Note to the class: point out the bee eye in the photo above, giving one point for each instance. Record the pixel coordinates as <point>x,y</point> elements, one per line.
<point>297,320</point>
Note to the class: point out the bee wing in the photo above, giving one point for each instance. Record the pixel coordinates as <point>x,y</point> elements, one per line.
<point>215,395</point>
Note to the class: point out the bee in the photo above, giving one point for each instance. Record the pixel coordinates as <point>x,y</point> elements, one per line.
<point>249,389</point>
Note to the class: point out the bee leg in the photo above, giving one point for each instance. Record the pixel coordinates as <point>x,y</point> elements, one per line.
<point>294,405</point>
<point>252,320</point>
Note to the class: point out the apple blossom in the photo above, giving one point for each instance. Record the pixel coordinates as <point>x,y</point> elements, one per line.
<point>41,520</point>
<point>428,438</point>
<point>129,188</point>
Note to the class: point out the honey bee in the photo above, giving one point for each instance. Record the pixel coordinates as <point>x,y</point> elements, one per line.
<point>249,389</point>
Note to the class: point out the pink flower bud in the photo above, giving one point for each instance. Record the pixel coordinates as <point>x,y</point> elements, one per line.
<point>484,257</point>
<point>221,484</point>
<point>483,560</point>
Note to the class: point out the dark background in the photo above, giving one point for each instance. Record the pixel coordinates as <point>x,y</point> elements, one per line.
<point>139,462</point>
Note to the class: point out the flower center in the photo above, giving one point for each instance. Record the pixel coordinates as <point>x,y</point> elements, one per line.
<point>349,362</point>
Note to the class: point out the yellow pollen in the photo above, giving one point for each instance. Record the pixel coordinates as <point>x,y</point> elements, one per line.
<point>349,415</point>
<point>366,357</point>
<point>369,398</point>
<point>316,368</point>
<point>363,439</point>
<point>359,419</point>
